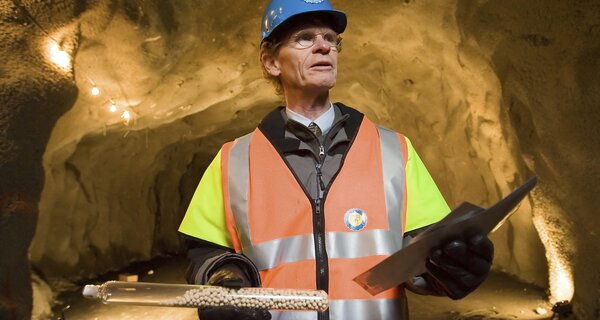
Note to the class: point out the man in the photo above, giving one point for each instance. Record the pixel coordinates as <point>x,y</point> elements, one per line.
<point>317,194</point>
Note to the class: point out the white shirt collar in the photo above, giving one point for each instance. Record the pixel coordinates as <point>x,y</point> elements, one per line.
<point>324,121</point>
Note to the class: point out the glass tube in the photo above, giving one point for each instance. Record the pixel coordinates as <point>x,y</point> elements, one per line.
<point>198,296</point>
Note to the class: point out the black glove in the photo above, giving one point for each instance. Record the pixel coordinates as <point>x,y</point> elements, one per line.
<point>231,276</point>
<point>458,268</point>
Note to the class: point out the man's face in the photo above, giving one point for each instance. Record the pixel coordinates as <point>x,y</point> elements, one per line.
<point>309,69</point>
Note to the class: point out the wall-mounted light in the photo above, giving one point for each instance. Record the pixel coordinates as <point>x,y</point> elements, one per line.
<point>58,56</point>
<point>559,268</point>
<point>95,91</point>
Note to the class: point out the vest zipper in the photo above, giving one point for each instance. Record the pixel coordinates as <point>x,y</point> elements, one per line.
<point>322,263</point>
<point>321,233</point>
<point>320,248</point>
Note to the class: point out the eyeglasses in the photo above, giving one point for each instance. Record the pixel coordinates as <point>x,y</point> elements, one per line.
<point>307,39</point>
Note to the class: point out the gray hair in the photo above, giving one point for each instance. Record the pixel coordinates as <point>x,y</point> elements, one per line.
<point>271,48</point>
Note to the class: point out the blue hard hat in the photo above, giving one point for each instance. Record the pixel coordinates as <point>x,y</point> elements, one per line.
<point>279,11</point>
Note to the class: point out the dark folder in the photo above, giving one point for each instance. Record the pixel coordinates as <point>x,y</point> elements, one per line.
<point>464,221</point>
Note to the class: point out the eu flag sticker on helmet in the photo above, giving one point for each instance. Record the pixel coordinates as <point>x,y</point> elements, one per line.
<point>355,219</point>
<point>279,11</point>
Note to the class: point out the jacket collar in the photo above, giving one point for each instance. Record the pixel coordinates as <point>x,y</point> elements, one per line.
<point>273,126</point>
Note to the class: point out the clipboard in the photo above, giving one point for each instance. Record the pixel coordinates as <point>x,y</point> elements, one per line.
<point>461,223</point>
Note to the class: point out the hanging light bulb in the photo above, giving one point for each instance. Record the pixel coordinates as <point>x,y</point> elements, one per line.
<point>95,91</point>
<point>113,106</point>
<point>126,116</point>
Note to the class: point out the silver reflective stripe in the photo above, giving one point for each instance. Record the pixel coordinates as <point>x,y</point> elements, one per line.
<point>376,309</point>
<point>269,254</point>
<point>360,244</point>
<point>294,315</point>
<point>367,243</point>
<point>238,187</point>
<point>394,177</point>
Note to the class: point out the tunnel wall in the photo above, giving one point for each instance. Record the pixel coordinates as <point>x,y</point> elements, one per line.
<point>34,93</point>
<point>489,93</point>
<point>546,55</point>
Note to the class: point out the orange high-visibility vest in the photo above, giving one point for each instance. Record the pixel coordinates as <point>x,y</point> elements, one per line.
<point>270,219</point>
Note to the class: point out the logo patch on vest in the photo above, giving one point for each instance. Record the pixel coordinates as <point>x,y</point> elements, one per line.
<point>313,1</point>
<point>355,219</point>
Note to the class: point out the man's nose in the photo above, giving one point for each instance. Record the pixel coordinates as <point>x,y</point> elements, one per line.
<point>321,46</point>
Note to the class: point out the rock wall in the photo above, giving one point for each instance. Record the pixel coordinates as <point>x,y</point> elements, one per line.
<point>546,57</point>
<point>490,93</point>
<point>34,93</point>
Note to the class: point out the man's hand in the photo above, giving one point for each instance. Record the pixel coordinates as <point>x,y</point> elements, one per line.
<point>231,276</point>
<point>459,267</point>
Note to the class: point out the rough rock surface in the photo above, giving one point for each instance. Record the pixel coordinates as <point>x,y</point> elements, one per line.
<point>490,93</point>
<point>34,93</point>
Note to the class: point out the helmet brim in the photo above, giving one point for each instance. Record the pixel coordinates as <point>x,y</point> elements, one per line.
<point>338,20</point>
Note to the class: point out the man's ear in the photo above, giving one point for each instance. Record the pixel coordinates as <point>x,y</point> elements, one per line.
<point>271,64</point>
